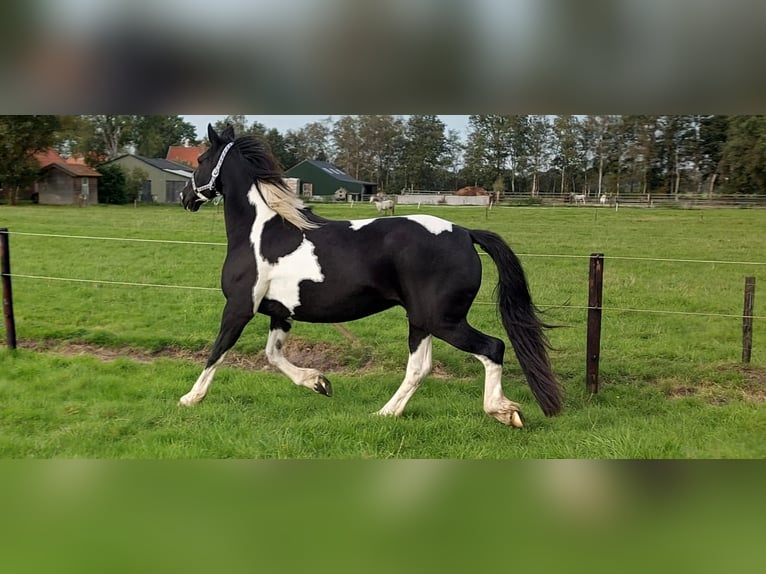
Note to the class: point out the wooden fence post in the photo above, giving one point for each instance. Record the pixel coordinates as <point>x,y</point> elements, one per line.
<point>747,319</point>
<point>5,277</point>
<point>593,351</point>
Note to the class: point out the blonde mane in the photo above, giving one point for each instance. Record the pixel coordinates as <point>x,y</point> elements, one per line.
<point>286,204</point>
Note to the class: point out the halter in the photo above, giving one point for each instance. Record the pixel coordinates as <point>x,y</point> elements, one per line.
<point>216,171</point>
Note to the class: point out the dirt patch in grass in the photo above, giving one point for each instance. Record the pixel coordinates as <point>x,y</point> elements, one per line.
<point>752,387</point>
<point>322,356</point>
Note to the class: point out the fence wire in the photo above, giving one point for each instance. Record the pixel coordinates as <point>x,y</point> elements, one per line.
<point>542,306</point>
<point>553,255</point>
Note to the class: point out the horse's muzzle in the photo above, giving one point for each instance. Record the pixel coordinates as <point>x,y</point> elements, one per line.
<point>189,199</point>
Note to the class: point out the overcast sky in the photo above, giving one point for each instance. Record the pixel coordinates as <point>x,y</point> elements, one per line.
<point>295,122</point>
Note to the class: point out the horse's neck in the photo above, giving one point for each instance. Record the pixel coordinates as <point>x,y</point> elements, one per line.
<point>240,215</point>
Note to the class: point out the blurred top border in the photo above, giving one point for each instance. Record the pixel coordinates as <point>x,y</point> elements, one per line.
<point>345,57</point>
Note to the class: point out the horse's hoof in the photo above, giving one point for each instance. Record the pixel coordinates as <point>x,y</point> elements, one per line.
<point>323,386</point>
<point>517,419</point>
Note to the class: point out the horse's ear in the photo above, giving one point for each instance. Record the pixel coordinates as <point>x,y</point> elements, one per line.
<point>228,133</point>
<point>212,135</point>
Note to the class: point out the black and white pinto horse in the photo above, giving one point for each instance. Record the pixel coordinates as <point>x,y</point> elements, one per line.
<point>290,264</point>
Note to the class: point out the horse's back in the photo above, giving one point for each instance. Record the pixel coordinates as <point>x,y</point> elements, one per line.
<point>371,265</point>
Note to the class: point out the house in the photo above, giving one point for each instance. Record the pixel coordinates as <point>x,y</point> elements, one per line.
<point>165,178</point>
<point>323,179</point>
<point>185,154</point>
<point>62,182</point>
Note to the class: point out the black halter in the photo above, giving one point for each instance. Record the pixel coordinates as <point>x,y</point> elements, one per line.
<point>213,176</point>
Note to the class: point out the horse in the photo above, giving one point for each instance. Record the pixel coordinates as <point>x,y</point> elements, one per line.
<point>578,198</point>
<point>290,264</point>
<point>603,199</point>
<point>383,205</point>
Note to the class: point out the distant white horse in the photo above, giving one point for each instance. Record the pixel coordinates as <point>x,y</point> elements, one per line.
<point>602,199</point>
<point>383,205</point>
<point>578,198</point>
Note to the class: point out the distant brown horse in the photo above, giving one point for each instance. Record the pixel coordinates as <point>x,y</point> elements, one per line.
<point>472,190</point>
<point>476,190</point>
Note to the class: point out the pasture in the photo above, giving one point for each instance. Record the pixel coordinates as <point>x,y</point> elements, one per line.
<point>102,364</point>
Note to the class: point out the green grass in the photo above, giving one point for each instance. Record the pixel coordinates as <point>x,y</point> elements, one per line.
<point>672,386</point>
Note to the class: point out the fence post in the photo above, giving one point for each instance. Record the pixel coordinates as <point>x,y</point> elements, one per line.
<point>747,319</point>
<point>5,277</point>
<point>593,351</point>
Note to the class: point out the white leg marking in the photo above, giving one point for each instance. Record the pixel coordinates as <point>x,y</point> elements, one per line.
<point>418,366</point>
<point>199,390</point>
<point>495,402</point>
<point>310,378</point>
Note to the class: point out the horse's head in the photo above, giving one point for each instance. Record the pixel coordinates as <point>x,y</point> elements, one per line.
<point>204,184</point>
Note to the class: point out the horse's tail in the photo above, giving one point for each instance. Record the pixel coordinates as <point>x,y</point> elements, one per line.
<point>519,317</point>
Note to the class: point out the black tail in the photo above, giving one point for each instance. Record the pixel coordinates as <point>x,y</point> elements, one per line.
<point>519,317</point>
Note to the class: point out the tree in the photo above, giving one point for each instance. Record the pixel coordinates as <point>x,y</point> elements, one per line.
<point>107,137</point>
<point>538,148</point>
<point>112,185</point>
<point>153,135</point>
<point>640,132</point>
<point>425,148</point>
<point>241,127</point>
<point>347,145</point>
<point>383,139</point>
<point>280,148</point>
<point>595,135</point>
<point>519,146</point>
<point>713,132</point>
<point>312,141</point>
<point>489,146</point>
<point>134,183</point>
<point>453,157</point>
<point>22,137</point>
<point>567,137</point>
<point>744,154</point>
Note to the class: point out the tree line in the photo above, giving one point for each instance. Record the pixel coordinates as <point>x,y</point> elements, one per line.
<point>533,154</point>
<point>514,154</point>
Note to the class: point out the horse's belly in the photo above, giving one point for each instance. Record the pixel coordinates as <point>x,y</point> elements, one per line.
<point>321,308</point>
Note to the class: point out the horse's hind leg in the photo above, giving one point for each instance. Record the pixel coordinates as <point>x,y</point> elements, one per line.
<point>232,324</point>
<point>310,378</point>
<point>489,351</point>
<point>418,366</point>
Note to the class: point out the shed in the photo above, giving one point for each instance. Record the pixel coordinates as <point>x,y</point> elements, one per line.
<point>165,178</point>
<point>320,178</point>
<point>62,182</point>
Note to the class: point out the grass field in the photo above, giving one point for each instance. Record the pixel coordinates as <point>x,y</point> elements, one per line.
<point>101,366</point>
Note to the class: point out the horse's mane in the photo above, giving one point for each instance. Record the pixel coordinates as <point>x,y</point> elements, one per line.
<point>265,170</point>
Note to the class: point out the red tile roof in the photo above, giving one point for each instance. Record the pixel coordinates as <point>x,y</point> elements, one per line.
<point>48,157</point>
<point>51,158</point>
<point>183,154</point>
<point>74,169</point>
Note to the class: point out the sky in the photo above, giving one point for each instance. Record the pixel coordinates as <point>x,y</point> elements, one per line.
<point>295,122</point>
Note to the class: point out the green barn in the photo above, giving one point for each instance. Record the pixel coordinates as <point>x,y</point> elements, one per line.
<point>322,179</point>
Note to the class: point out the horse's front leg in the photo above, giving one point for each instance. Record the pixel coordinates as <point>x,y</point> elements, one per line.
<point>235,317</point>
<point>310,378</point>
